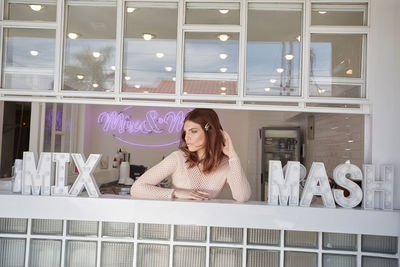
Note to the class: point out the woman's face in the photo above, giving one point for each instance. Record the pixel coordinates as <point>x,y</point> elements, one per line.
<point>194,136</point>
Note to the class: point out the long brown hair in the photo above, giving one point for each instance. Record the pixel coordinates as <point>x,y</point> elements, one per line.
<point>214,139</point>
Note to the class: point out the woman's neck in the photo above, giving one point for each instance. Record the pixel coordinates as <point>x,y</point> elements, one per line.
<point>200,154</point>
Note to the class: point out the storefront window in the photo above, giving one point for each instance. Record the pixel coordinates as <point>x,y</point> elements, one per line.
<point>149,62</point>
<point>32,11</point>
<point>339,15</point>
<point>336,65</point>
<point>28,59</point>
<point>211,63</point>
<point>89,56</point>
<point>274,49</point>
<point>212,13</point>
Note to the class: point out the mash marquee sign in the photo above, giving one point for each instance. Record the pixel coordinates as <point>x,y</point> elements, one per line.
<point>37,178</point>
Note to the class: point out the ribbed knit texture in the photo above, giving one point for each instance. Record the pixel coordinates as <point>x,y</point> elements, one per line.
<point>230,171</point>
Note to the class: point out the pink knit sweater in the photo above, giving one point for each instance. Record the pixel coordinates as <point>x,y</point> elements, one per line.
<point>230,171</point>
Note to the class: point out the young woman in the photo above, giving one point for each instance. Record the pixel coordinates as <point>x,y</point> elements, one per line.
<point>204,163</point>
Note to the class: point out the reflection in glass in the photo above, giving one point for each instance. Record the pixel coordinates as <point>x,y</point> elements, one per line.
<point>90,48</point>
<point>380,244</point>
<point>339,15</point>
<point>333,260</point>
<point>300,259</point>
<point>336,65</point>
<point>45,253</point>
<point>149,63</point>
<point>28,59</point>
<point>340,241</point>
<point>377,261</point>
<point>211,63</point>
<point>301,239</point>
<point>274,53</point>
<point>12,252</point>
<point>30,11</point>
<point>212,13</point>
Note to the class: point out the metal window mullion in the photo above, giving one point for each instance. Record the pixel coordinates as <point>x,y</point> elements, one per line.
<point>340,1</point>
<point>135,244</point>
<point>28,242</point>
<point>241,84</point>
<point>306,47</point>
<point>364,41</point>
<point>2,53</point>
<point>58,64</point>
<point>98,260</point>
<point>208,237</point>
<point>180,47</point>
<point>319,244</point>
<point>211,28</point>
<point>53,126</point>
<point>64,117</point>
<point>171,246</point>
<point>63,244</point>
<point>244,252</point>
<point>339,29</point>
<point>29,24</point>
<point>119,49</point>
<point>282,249</point>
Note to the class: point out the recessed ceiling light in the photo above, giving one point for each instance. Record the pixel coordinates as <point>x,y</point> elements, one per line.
<point>289,56</point>
<point>350,141</point>
<point>174,79</point>
<point>168,68</point>
<point>80,76</point>
<point>321,91</point>
<point>348,149</point>
<point>298,38</point>
<point>279,70</point>
<point>223,37</point>
<point>349,71</point>
<point>36,7</point>
<point>223,56</point>
<point>127,78</point>
<point>185,93</point>
<point>95,85</point>
<point>272,80</point>
<point>145,92</point>
<point>322,12</point>
<point>34,52</point>
<point>223,11</point>
<point>96,54</point>
<point>160,55</point>
<point>73,35</point>
<point>130,9</point>
<point>137,86</point>
<point>223,88</point>
<point>148,36</point>
<point>223,93</point>
<point>267,89</point>
<point>223,69</point>
<point>112,67</point>
<point>342,62</point>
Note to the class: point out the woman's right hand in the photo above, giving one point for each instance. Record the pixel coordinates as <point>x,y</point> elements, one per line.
<point>191,194</point>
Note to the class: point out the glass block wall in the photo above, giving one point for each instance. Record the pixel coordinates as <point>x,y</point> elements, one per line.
<point>41,242</point>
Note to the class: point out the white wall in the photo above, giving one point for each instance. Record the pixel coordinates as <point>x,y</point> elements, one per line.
<point>383,83</point>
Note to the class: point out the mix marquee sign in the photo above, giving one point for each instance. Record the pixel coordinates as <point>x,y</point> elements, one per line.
<point>37,178</point>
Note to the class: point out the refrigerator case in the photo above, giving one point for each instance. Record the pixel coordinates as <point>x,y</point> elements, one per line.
<point>282,144</point>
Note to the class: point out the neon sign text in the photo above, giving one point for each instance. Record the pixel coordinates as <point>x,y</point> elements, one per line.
<point>117,121</point>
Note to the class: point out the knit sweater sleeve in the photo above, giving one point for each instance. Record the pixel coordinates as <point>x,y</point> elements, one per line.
<point>237,181</point>
<point>145,186</point>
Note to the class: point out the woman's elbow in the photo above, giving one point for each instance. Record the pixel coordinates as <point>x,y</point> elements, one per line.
<point>245,196</point>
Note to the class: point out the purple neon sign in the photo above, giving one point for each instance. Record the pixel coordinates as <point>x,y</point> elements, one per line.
<point>169,123</point>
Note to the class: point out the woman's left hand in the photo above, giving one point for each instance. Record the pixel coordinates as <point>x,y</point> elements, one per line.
<point>228,147</point>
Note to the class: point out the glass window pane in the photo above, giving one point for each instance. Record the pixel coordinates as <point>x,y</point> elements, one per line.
<point>89,57</point>
<point>377,261</point>
<point>380,244</point>
<point>257,258</point>
<point>12,252</point>
<point>154,231</point>
<point>274,53</point>
<point>118,229</point>
<point>31,11</point>
<point>339,241</point>
<point>263,237</point>
<point>115,254</point>
<point>212,13</point>
<point>28,59</point>
<point>339,15</point>
<point>226,235</point>
<point>189,256</point>
<point>13,225</point>
<point>225,257</point>
<point>82,228</point>
<point>300,259</point>
<point>301,239</point>
<point>333,260</point>
<point>336,65</point>
<point>45,253</point>
<point>149,64</point>
<point>47,227</point>
<point>190,233</point>
<point>152,255</point>
<point>80,253</point>
<point>211,63</point>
